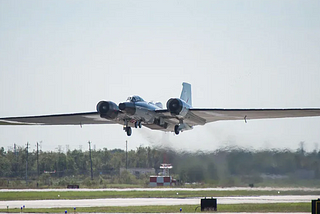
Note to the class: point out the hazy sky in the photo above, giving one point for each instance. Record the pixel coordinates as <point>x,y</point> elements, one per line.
<point>66,56</point>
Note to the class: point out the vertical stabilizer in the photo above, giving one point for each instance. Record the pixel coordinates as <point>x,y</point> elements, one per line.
<point>186,93</point>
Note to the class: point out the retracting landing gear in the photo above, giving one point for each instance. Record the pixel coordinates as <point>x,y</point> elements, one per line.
<point>128,131</point>
<point>181,127</point>
<point>137,124</point>
<point>127,128</point>
<point>176,129</point>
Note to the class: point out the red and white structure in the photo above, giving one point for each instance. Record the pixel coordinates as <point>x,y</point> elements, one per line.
<point>156,181</point>
<point>165,179</point>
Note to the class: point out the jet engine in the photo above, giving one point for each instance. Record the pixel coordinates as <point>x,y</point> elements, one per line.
<point>177,107</point>
<point>128,107</point>
<point>107,109</point>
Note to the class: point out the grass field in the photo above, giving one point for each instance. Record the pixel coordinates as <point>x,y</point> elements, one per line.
<point>275,207</point>
<point>5,196</point>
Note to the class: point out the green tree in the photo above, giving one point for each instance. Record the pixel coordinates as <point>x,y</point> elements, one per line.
<point>5,167</point>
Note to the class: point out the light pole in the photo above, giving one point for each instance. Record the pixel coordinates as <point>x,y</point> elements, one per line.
<point>38,159</point>
<point>27,163</point>
<point>126,155</point>
<point>90,159</point>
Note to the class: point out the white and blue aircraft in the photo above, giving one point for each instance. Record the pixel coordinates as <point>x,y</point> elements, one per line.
<point>177,117</point>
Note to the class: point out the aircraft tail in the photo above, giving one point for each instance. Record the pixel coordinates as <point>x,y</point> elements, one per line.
<point>186,93</point>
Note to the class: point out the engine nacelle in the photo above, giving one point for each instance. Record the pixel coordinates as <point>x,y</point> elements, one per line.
<point>177,107</point>
<point>107,109</point>
<point>128,107</point>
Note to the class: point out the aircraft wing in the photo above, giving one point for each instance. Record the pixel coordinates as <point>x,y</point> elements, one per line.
<point>197,116</point>
<point>211,115</point>
<point>58,119</point>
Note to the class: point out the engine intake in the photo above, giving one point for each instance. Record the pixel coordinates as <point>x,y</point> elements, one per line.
<point>107,109</point>
<point>177,107</point>
<point>128,107</point>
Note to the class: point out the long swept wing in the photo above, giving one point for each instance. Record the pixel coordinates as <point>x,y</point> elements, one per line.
<point>212,115</point>
<point>197,116</point>
<point>58,119</point>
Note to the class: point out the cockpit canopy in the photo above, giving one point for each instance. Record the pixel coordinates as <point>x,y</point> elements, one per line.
<point>134,99</point>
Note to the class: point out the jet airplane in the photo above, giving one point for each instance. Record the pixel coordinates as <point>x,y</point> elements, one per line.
<point>178,116</point>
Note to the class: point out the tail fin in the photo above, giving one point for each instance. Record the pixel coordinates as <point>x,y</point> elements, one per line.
<point>186,93</point>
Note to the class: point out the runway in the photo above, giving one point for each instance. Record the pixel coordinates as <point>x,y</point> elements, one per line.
<point>153,201</point>
<point>169,189</point>
<point>176,213</point>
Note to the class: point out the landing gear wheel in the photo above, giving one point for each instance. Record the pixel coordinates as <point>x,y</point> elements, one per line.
<point>136,124</point>
<point>129,131</point>
<point>139,124</point>
<point>176,129</point>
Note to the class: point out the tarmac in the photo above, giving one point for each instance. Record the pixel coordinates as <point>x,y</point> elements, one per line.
<point>153,201</point>
<point>172,213</point>
<point>158,201</point>
<point>169,189</point>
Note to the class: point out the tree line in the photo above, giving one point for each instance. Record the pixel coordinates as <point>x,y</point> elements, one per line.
<point>226,166</point>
